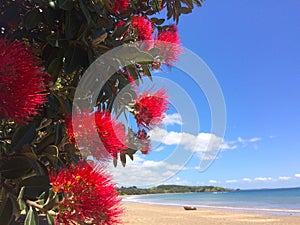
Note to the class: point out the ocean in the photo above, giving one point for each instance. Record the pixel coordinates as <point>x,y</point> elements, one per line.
<point>284,201</point>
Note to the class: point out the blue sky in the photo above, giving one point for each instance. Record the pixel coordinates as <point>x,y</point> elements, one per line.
<point>253,51</point>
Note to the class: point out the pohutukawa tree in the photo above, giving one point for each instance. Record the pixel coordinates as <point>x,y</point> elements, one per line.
<point>45,48</point>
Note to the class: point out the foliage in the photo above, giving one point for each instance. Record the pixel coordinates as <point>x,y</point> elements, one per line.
<point>66,36</point>
<point>163,189</point>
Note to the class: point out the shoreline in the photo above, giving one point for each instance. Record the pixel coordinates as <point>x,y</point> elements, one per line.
<point>143,213</point>
<point>241,209</point>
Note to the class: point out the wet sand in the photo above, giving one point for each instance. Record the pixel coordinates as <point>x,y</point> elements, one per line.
<point>140,214</point>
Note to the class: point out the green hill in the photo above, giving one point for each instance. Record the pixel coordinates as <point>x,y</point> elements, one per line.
<point>170,189</point>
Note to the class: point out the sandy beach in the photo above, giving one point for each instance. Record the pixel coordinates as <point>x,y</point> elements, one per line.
<point>140,214</point>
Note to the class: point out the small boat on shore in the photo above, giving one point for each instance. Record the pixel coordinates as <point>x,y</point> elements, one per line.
<point>186,207</point>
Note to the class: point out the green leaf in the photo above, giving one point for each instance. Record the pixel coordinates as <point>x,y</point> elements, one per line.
<point>20,200</point>
<point>198,2</point>
<point>115,162</point>
<point>65,4</point>
<point>6,214</point>
<point>185,10</point>
<point>74,58</point>
<point>56,40</point>
<point>16,208</point>
<point>34,192</point>
<point>154,51</point>
<point>131,156</point>
<point>32,19</point>
<point>99,39</point>
<point>144,59</point>
<point>15,167</point>
<point>121,30</point>
<point>23,135</point>
<point>156,5</point>
<point>28,152</point>
<point>52,200</point>
<point>157,21</point>
<point>55,67</point>
<point>59,134</point>
<point>53,101</point>
<point>36,181</point>
<point>71,25</point>
<point>51,150</point>
<point>123,159</point>
<point>50,220</point>
<point>50,15</point>
<point>3,194</point>
<point>85,11</point>
<point>146,71</point>
<point>134,73</point>
<point>30,218</point>
<point>130,152</point>
<point>129,53</point>
<point>189,3</point>
<point>170,13</point>
<point>35,186</point>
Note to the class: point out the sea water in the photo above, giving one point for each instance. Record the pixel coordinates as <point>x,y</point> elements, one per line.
<point>274,201</point>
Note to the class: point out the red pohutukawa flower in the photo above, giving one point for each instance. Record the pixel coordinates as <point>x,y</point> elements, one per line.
<point>168,41</point>
<point>120,5</point>
<point>149,109</point>
<point>89,196</point>
<point>98,133</point>
<point>119,24</point>
<point>143,26</point>
<point>111,132</point>
<point>22,82</point>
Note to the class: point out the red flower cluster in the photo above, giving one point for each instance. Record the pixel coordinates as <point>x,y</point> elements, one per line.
<point>111,132</point>
<point>88,196</point>
<point>120,5</point>
<point>22,82</point>
<point>143,26</point>
<point>168,41</point>
<point>149,108</point>
<point>119,24</point>
<point>97,132</point>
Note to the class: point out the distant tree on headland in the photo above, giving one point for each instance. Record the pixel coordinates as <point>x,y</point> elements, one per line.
<point>170,189</point>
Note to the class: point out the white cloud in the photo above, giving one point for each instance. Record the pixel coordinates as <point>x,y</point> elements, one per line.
<point>247,179</point>
<point>142,172</point>
<point>263,179</point>
<point>251,140</point>
<point>255,139</point>
<point>158,149</point>
<point>172,119</point>
<point>177,181</point>
<point>228,146</point>
<point>157,164</point>
<point>213,181</point>
<point>239,139</point>
<point>206,145</point>
<point>206,142</point>
<point>245,142</point>
<point>231,181</point>
<point>284,178</point>
<point>297,175</point>
<point>198,143</point>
